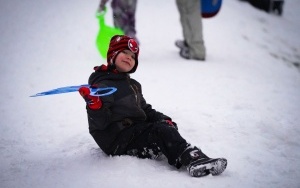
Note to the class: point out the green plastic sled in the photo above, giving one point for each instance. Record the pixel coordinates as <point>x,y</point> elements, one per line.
<point>105,33</point>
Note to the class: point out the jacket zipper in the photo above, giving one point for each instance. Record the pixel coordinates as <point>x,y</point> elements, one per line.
<point>135,94</point>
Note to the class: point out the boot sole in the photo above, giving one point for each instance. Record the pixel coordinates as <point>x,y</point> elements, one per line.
<point>212,166</point>
<point>218,167</point>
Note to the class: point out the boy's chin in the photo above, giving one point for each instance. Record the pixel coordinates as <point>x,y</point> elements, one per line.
<point>123,71</point>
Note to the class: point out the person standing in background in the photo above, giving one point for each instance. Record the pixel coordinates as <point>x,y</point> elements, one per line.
<point>270,6</point>
<point>123,15</point>
<point>192,47</point>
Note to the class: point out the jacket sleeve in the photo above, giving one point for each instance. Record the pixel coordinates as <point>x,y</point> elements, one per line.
<point>152,114</point>
<point>100,119</point>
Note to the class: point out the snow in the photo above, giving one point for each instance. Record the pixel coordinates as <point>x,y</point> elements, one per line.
<point>242,103</point>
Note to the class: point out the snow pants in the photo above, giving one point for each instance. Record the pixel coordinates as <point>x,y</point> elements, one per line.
<point>124,16</point>
<point>153,135</point>
<point>191,22</point>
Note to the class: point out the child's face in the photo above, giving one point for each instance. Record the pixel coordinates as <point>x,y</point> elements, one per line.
<point>125,61</point>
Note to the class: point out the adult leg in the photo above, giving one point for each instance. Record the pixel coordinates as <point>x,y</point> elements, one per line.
<point>124,16</point>
<point>191,21</point>
<point>131,9</point>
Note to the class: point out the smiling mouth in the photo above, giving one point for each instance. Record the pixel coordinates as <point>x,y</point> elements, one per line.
<point>126,62</point>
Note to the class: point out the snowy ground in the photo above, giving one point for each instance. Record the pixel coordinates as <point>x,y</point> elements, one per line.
<point>243,103</point>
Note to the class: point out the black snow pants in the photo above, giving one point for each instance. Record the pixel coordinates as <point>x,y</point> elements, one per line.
<point>149,136</point>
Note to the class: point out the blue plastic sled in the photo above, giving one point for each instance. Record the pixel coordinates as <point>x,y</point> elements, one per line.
<point>94,91</point>
<point>209,8</point>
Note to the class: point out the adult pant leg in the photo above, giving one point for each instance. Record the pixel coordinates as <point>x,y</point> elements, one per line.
<point>124,16</point>
<point>191,21</point>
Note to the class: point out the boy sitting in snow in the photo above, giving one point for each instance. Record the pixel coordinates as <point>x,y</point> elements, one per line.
<point>124,124</point>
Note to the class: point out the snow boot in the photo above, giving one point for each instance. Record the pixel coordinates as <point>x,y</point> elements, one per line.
<point>185,50</point>
<point>181,44</point>
<point>198,164</point>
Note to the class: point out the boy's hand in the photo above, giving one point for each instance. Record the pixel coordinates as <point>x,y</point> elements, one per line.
<point>170,123</point>
<point>93,102</point>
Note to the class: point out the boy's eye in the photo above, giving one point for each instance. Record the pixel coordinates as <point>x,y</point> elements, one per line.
<point>128,53</point>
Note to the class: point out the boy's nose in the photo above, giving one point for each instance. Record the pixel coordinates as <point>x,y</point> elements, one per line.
<point>129,56</point>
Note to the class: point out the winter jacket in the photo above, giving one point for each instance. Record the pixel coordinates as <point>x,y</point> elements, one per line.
<point>112,125</point>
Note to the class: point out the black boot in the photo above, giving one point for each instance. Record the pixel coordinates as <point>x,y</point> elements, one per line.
<point>198,164</point>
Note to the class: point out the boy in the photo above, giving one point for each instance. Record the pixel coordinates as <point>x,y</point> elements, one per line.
<point>124,124</point>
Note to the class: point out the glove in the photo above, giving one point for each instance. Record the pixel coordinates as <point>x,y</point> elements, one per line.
<point>93,102</point>
<point>100,9</point>
<point>170,123</point>
<point>102,6</point>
